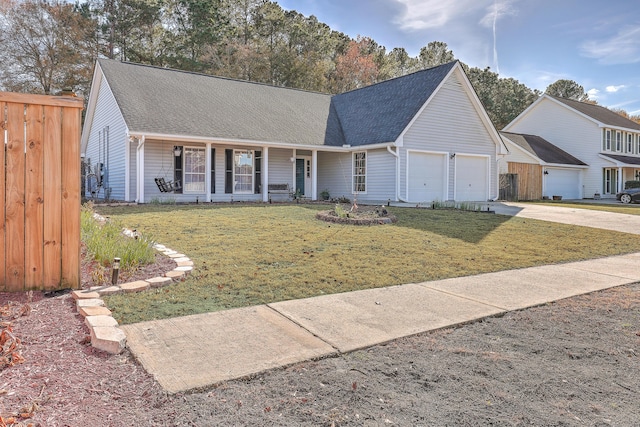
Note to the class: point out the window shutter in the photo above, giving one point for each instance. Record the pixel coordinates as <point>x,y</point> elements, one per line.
<point>177,170</point>
<point>213,171</point>
<point>228,176</point>
<point>258,173</point>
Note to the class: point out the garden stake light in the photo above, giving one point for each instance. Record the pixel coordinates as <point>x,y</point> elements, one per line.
<point>115,270</point>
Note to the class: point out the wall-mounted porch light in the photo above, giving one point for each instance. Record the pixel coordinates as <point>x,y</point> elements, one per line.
<point>177,150</point>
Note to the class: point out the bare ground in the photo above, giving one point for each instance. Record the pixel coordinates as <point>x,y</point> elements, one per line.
<point>573,362</point>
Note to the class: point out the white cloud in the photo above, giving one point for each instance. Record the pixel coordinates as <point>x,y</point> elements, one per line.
<point>622,48</point>
<point>426,14</point>
<point>593,93</point>
<point>614,89</point>
<point>497,10</point>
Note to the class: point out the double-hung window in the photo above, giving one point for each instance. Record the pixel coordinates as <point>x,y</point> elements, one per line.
<point>243,171</point>
<point>360,172</point>
<point>629,143</point>
<point>607,140</point>
<point>618,141</point>
<point>194,170</point>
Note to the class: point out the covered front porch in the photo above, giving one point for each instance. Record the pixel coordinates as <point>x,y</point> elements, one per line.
<point>219,172</point>
<point>622,169</point>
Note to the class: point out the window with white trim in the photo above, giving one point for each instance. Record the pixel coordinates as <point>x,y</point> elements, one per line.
<point>194,170</point>
<point>629,143</point>
<point>618,141</point>
<point>638,144</point>
<point>607,140</point>
<point>243,171</point>
<point>360,172</point>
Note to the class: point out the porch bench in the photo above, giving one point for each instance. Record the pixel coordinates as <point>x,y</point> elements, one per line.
<point>279,189</point>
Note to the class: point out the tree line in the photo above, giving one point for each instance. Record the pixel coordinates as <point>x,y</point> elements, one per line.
<point>52,45</point>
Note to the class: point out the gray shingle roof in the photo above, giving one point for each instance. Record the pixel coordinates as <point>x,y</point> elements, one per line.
<point>601,114</point>
<point>543,149</point>
<point>624,159</point>
<point>171,102</point>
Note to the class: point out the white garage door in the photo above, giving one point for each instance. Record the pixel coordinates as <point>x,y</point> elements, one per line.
<point>563,182</point>
<point>426,177</point>
<point>472,178</point>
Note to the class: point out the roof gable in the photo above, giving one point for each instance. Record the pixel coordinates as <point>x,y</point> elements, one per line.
<point>542,149</point>
<point>380,113</point>
<point>598,113</point>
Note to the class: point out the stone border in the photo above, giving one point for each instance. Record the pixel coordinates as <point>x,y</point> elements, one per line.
<point>105,333</point>
<point>328,217</point>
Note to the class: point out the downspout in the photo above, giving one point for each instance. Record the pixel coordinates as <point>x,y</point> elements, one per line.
<point>140,170</point>
<point>397,156</point>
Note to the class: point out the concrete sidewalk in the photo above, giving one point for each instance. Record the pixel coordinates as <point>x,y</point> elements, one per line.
<point>202,350</point>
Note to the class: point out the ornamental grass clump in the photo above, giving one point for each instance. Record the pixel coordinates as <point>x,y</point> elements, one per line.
<point>105,241</point>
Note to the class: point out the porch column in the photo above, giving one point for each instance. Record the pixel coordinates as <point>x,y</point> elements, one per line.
<point>207,175</point>
<point>314,174</point>
<point>265,174</point>
<point>620,179</point>
<point>293,170</point>
<point>127,169</point>
<point>140,171</point>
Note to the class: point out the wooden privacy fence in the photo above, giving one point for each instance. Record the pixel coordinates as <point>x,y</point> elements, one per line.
<point>39,192</point>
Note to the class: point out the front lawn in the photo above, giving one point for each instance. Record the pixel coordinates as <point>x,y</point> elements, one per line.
<point>254,254</point>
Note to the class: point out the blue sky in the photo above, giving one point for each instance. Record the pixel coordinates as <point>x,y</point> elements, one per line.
<point>594,42</point>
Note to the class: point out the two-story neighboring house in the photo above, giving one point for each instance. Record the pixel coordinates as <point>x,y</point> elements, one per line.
<point>606,142</point>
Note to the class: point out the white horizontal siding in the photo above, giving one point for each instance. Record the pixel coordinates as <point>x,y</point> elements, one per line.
<point>381,177</point>
<point>334,174</point>
<point>107,114</point>
<point>450,123</point>
<point>571,132</point>
<point>281,168</point>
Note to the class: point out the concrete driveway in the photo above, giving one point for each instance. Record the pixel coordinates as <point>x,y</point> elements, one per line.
<point>569,215</point>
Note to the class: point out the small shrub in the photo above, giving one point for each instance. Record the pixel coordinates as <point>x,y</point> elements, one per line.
<point>631,184</point>
<point>341,212</point>
<point>324,194</point>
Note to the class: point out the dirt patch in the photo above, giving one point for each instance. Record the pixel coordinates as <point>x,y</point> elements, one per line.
<point>363,215</point>
<point>574,362</point>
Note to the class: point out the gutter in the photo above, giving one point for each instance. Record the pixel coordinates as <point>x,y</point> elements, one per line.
<point>397,156</point>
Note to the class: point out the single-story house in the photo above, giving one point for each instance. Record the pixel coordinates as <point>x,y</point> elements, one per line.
<point>604,140</point>
<point>417,138</point>
<point>543,169</point>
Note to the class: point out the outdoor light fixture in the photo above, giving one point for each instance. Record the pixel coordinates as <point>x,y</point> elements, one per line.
<point>293,159</point>
<point>115,270</point>
<point>546,172</point>
<point>177,150</point>
<point>452,155</point>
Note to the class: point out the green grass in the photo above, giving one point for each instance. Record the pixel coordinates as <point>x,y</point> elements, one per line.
<point>253,254</point>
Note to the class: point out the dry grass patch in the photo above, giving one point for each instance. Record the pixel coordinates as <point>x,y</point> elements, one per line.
<point>255,254</point>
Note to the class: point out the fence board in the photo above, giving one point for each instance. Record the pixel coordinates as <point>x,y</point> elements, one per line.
<point>34,198</point>
<point>529,180</point>
<point>71,198</point>
<point>14,209</point>
<point>39,192</point>
<point>3,264</point>
<point>52,189</point>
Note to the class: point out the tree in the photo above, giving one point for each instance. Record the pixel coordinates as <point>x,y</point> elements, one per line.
<point>356,67</point>
<point>46,47</point>
<point>568,89</point>
<point>433,54</point>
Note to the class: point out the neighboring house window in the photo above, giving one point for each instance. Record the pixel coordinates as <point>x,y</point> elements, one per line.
<point>360,172</point>
<point>629,143</point>
<point>194,170</point>
<point>607,140</point>
<point>638,144</point>
<point>618,141</point>
<point>243,171</point>
<point>610,181</point>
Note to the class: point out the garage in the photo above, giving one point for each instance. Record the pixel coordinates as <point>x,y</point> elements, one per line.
<point>427,176</point>
<point>562,182</point>
<point>472,178</point>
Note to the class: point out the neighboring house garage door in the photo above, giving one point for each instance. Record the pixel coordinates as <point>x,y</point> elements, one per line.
<point>426,176</point>
<point>472,178</point>
<point>563,182</point>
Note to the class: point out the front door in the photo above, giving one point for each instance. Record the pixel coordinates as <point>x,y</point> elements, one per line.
<point>300,174</point>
